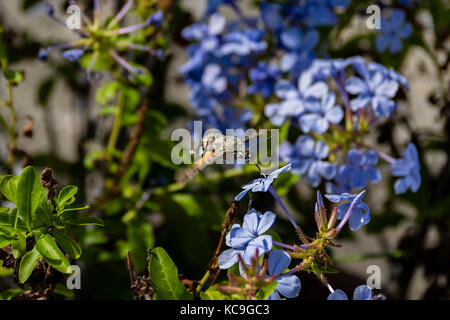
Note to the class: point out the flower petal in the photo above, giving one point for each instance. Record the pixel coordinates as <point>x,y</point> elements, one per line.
<point>362,292</point>
<point>279,261</point>
<point>289,285</point>
<point>228,258</point>
<point>337,295</point>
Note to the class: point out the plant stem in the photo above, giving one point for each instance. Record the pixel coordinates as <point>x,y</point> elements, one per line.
<point>344,95</point>
<point>117,121</point>
<point>282,245</point>
<point>297,228</point>
<point>12,128</point>
<point>202,282</point>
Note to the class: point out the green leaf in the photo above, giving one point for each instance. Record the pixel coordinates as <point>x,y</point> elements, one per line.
<point>140,237</point>
<point>107,92</point>
<point>45,210</point>
<point>27,264</point>
<point>71,209</point>
<point>213,294</point>
<point>164,277</point>
<point>19,248</point>
<point>266,291</point>
<point>10,294</point>
<point>86,221</point>
<point>69,246</point>
<point>30,194</point>
<point>44,91</point>
<point>143,79</point>
<point>48,248</point>
<point>4,241</point>
<point>13,76</point>
<point>8,187</point>
<point>66,194</point>
<point>63,290</point>
<point>108,110</point>
<point>9,220</point>
<point>200,207</point>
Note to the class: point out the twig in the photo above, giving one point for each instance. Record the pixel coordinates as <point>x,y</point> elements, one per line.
<point>134,140</point>
<point>130,269</point>
<point>213,265</point>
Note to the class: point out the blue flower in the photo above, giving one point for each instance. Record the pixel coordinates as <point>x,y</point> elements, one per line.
<point>248,239</point>
<point>388,73</point>
<point>262,184</point>
<point>392,32</point>
<point>361,169</point>
<point>326,68</point>
<point>271,15</point>
<point>321,12</point>
<point>362,292</point>
<point>73,54</point>
<point>213,5</point>
<point>264,78</point>
<point>319,114</point>
<point>243,42</point>
<point>299,45</point>
<point>307,157</point>
<point>408,168</point>
<point>207,34</point>
<point>294,99</point>
<point>288,285</point>
<point>375,88</point>
<point>360,214</point>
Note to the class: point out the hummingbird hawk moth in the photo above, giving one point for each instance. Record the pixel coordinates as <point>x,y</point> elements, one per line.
<point>214,148</point>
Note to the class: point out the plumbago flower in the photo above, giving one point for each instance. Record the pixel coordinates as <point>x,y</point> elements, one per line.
<point>375,89</point>
<point>361,169</point>
<point>392,31</point>
<point>264,78</point>
<point>230,49</point>
<point>248,239</point>
<point>308,157</point>
<point>105,43</point>
<point>262,184</point>
<point>362,292</point>
<point>295,99</point>
<point>408,168</point>
<point>357,173</point>
<point>319,114</point>
<point>299,46</point>
<point>360,211</point>
<point>288,285</point>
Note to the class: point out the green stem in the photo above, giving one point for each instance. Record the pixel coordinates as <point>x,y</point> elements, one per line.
<point>117,121</point>
<point>202,282</point>
<point>12,128</point>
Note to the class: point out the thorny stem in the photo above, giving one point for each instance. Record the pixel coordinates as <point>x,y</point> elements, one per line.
<point>297,228</point>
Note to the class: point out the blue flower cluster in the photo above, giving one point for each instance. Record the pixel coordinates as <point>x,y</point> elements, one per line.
<point>101,39</point>
<point>252,238</point>
<point>240,67</point>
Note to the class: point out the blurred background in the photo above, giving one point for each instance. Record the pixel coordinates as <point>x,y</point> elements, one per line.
<point>408,237</point>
